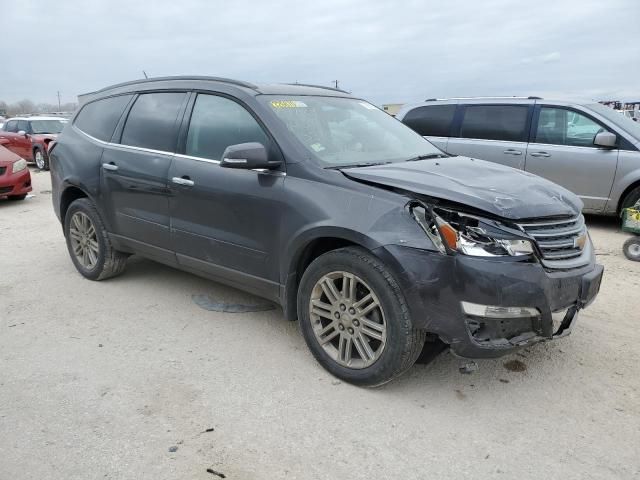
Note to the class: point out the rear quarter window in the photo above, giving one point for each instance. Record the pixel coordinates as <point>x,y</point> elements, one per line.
<point>99,118</point>
<point>495,122</point>
<point>434,120</point>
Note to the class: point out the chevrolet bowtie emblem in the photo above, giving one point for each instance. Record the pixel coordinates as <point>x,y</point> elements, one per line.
<point>580,241</point>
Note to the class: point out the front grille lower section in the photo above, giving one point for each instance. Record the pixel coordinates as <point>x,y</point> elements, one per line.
<point>560,240</point>
<point>6,190</point>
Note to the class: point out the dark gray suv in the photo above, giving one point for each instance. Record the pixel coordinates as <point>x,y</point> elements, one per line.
<point>377,242</point>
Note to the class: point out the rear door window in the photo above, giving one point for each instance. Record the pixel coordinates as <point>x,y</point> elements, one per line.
<point>218,122</point>
<point>11,126</point>
<point>495,122</point>
<point>99,118</point>
<point>434,120</point>
<point>152,121</point>
<point>560,126</point>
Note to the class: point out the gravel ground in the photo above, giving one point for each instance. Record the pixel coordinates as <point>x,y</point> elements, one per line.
<point>121,379</point>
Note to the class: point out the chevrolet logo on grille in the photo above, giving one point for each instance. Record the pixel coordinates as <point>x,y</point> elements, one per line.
<point>581,241</point>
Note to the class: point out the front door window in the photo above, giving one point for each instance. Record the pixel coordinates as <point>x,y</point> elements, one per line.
<point>560,126</point>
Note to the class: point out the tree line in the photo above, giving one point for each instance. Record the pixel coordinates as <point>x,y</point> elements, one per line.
<point>27,106</point>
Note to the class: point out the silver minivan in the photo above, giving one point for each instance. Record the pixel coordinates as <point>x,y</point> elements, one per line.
<point>587,148</point>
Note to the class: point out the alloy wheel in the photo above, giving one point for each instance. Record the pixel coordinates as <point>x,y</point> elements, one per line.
<point>84,240</point>
<point>348,320</point>
<point>39,157</point>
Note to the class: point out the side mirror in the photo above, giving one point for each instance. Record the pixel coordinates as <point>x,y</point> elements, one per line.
<point>22,133</point>
<point>605,139</point>
<point>247,156</point>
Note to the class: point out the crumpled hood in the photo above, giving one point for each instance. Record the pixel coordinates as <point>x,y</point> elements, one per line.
<point>497,189</point>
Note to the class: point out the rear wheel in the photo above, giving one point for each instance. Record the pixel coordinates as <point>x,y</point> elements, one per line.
<point>354,318</point>
<point>88,243</point>
<point>631,249</point>
<point>41,159</point>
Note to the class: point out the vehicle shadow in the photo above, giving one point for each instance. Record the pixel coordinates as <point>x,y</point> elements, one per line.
<point>8,204</point>
<point>440,374</point>
<point>599,221</point>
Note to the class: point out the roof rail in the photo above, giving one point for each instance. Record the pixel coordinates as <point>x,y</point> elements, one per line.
<point>317,86</point>
<point>178,77</point>
<point>474,98</point>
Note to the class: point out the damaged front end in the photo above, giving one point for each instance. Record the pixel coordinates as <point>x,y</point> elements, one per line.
<point>486,288</point>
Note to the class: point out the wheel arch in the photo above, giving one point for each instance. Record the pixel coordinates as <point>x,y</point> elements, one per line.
<point>308,249</point>
<point>68,196</point>
<point>632,186</point>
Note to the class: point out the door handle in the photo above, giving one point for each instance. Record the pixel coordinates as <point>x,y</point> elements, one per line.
<point>110,166</point>
<point>511,151</point>
<point>540,154</point>
<point>186,181</point>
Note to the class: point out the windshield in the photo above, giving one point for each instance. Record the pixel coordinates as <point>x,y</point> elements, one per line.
<point>47,126</point>
<point>624,122</point>
<point>345,131</point>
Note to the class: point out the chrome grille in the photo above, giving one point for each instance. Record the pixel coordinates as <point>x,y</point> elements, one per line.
<point>560,239</point>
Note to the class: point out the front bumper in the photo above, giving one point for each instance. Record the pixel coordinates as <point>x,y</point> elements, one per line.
<point>15,184</point>
<point>435,286</point>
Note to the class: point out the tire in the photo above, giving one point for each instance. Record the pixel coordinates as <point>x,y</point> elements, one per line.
<point>631,249</point>
<point>104,261</point>
<point>344,328</point>
<point>630,199</point>
<point>16,198</point>
<point>41,158</point>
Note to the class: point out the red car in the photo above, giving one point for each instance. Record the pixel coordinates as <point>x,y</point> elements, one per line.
<point>15,179</point>
<point>29,137</point>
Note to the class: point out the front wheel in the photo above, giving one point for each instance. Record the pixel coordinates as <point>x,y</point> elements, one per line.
<point>354,318</point>
<point>41,159</point>
<point>631,199</point>
<point>88,243</point>
<point>631,249</point>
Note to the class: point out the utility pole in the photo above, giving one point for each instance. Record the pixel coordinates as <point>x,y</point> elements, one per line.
<point>59,107</point>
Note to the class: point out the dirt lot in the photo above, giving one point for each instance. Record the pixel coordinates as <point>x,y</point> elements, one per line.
<point>106,380</point>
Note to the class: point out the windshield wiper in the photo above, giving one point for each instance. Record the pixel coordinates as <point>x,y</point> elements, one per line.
<point>355,165</point>
<point>428,156</point>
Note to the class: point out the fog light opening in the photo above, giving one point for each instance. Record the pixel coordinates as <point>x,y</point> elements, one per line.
<point>496,311</point>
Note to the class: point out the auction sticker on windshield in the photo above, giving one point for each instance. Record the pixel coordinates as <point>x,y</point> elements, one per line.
<point>288,104</point>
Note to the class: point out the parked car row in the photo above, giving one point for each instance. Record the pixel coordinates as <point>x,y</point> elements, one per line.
<point>587,148</point>
<point>30,137</point>
<point>372,237</point>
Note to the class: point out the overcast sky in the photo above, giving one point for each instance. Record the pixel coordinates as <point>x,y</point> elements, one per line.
<point>385,51</point>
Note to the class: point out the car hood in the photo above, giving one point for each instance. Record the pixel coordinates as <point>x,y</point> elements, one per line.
<point>44,136</point>
<point>493,188</point>
<point>7,157</point>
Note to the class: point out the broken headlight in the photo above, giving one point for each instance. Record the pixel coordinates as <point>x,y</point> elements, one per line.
<point>452,231</point>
